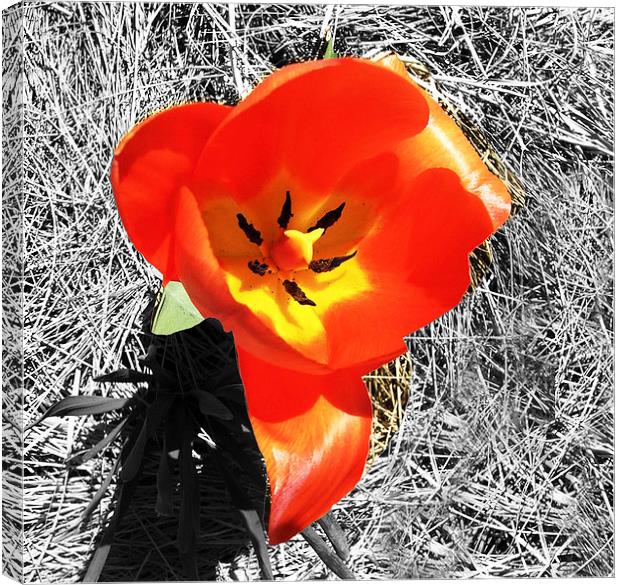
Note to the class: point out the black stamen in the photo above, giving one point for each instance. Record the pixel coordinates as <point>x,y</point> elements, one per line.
<point>329,219</point>
<point>292,288</point>
<point>286,213</point>
<point>327,264</point>
<point>249,230</point>
<point>258,267</point>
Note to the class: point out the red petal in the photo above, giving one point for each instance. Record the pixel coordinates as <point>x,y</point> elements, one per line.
<point>313,432</point>
<point>151,162</point>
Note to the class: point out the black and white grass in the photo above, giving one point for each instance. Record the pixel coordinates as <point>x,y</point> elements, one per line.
<point>503,465</point>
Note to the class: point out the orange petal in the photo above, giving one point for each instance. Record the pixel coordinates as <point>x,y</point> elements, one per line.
<point>392,62</point>
<point>415,260</point>
<point>216,290</point>
<point>442,144</point>
<point>313,432</point>
<point>279,77</point>
<point>309,125</point>
<point>150,163</point>
<point>366,191</point>
<point>197,267</point>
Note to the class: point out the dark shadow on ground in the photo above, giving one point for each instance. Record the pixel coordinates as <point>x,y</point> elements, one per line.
<point>155,519</point>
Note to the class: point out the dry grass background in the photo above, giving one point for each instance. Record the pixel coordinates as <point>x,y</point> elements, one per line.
<point>503,465</point>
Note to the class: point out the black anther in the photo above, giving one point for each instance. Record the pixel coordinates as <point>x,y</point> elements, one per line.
<point>329,219</point>
<point>293,289</point>
<point>286,213</point>
<point>258,267</point>
<point>327,264</point>
<point>249,230</point>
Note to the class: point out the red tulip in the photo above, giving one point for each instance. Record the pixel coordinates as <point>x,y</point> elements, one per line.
<point>322,219</point>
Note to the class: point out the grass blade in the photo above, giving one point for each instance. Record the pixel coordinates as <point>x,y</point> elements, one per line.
<point>323,551</point>
<point>154,416</point>
<point>88,455</point>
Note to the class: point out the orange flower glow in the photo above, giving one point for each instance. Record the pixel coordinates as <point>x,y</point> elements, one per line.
<point>322,219</point>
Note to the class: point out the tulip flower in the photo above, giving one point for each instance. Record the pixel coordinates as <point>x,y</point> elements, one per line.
<point>323,218</point>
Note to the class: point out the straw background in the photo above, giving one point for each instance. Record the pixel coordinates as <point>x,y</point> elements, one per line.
<point>503,464</point>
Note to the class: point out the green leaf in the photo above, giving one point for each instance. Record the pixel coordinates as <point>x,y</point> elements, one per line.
<point>209,405</point>
<point>249,515</point>
<point>154,415</point>
<point>124,375</point>
<point>255,529</point>
<point>175,311</point>
<point>85,456</point>
<point>103,488</point>
<point>329,50</point>
<point>189,514</point>
<point>82,406</point>
<point>163,505</point>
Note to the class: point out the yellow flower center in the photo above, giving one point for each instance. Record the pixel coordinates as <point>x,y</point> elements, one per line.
<point>294,249</point>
